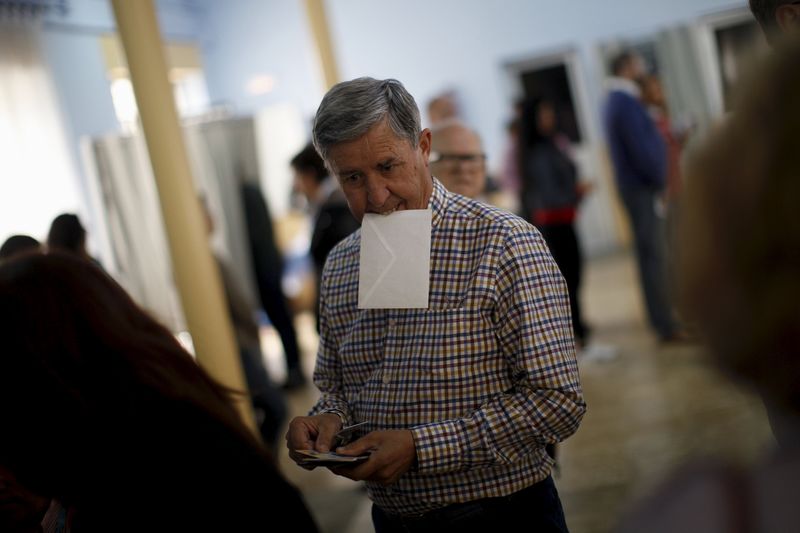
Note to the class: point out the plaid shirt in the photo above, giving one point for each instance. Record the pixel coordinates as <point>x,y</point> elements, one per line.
<point>484,377</point>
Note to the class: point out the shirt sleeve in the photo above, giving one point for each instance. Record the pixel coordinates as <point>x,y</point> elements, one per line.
<point>327,372</point>
<point>534,329</point>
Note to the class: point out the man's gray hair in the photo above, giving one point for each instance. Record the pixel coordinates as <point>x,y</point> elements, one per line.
<point>352,107</point>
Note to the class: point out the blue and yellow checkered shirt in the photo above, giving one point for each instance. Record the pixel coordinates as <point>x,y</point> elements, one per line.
<point>484,378</point>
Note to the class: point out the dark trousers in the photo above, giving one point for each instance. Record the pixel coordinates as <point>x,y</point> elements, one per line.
<point>563,244</point>
<point>651,250</point>
<point>536,508</point>
<point>268,402</point>
<point>277,309</point>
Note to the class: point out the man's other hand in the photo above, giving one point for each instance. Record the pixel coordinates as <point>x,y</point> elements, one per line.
<point>391,454</point>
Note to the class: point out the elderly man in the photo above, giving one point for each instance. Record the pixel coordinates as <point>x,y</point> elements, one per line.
<point>457,159</point>
<point>777,17</point>
<point>459,399</point>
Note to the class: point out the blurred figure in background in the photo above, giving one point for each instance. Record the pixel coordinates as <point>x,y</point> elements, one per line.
<point>674,140</point>
<point>443,108</point>
<point>777,17</point>
<point>457,159</point>
<point>18,244</point>
<point>268,271</point>
<point>106,415</point>
<point>510,179</point>
<point>268,403</point>
<point>332,220</point>
<point>551,194</point>
<point>640,164</point>
<point>741,284</point>
<point>67,234</point>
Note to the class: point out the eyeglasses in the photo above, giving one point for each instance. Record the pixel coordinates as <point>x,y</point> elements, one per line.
<point>454,159</point>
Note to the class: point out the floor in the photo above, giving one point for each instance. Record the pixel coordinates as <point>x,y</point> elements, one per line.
<point>651,408</point>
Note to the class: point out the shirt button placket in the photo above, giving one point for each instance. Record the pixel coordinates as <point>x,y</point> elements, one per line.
<point>391,327</point>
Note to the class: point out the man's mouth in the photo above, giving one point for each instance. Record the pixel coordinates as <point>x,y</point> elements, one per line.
<point>398,207</point>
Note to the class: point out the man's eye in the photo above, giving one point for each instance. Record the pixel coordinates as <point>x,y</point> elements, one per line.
<point>387,167</point>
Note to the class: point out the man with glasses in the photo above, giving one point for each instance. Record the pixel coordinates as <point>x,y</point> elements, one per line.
<point>776,17</point>
<point>457,159</point>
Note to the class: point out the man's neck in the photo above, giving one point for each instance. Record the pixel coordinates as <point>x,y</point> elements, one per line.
<point>429,191</point>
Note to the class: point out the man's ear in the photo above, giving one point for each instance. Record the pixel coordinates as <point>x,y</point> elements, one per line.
<point>425,144</point>
<point>788,17</point>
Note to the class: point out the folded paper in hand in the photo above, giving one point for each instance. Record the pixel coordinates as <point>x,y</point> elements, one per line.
<point>395,260</point>
<point>313,457</point>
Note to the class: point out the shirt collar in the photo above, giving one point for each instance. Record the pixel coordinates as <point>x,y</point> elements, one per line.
<point>624,85</point>
<point>440,197</point>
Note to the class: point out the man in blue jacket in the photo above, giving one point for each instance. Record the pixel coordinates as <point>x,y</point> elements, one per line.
<point>640,162</point>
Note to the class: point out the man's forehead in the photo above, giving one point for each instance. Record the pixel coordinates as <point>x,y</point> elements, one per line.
<point>377,144</point>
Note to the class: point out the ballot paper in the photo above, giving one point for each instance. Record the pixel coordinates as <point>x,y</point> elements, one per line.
<point>395,260</point>
<point>313,457</point>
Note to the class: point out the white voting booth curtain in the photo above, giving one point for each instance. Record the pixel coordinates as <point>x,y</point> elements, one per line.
<point>221,153</point>
<point>37,173</point>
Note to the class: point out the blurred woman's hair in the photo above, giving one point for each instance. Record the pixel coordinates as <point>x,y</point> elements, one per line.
<point>92,388</point>
<point>67,233</point>
<point>741,234</point>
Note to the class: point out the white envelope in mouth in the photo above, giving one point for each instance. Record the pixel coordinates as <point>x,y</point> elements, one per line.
<point>395,260</point>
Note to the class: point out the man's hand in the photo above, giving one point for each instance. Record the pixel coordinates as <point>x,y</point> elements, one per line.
<point>312,433</point>
<point>392,454</point>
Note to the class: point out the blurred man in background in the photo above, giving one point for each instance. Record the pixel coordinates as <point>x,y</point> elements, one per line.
<point>331,217</point>
<point>457,159</point>
<point>640,163</point>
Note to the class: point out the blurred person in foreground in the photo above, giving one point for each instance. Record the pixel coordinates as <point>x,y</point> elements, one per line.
<point>640,164</point>
<point>18,244</point>
<point>777,17</point>
<point>741,284</point>
<point>460,398</point>
<point>332,220</point>
<point>457,159</point>
<point>268,402</point>
<point>109,419</point>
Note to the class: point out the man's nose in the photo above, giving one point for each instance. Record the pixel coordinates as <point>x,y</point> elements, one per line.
<point>377,193</point>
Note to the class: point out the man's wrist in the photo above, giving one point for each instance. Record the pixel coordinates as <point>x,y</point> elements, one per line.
<point>341,415</point>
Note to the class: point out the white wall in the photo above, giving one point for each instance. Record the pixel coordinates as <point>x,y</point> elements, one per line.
<point>246,39</point>
<point>71,48</point>
<point>431,45</point>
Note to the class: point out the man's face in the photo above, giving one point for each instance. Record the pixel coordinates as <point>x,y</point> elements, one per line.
<point>380,172</point>
<point>459,162</point>
<point>546,120</point>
